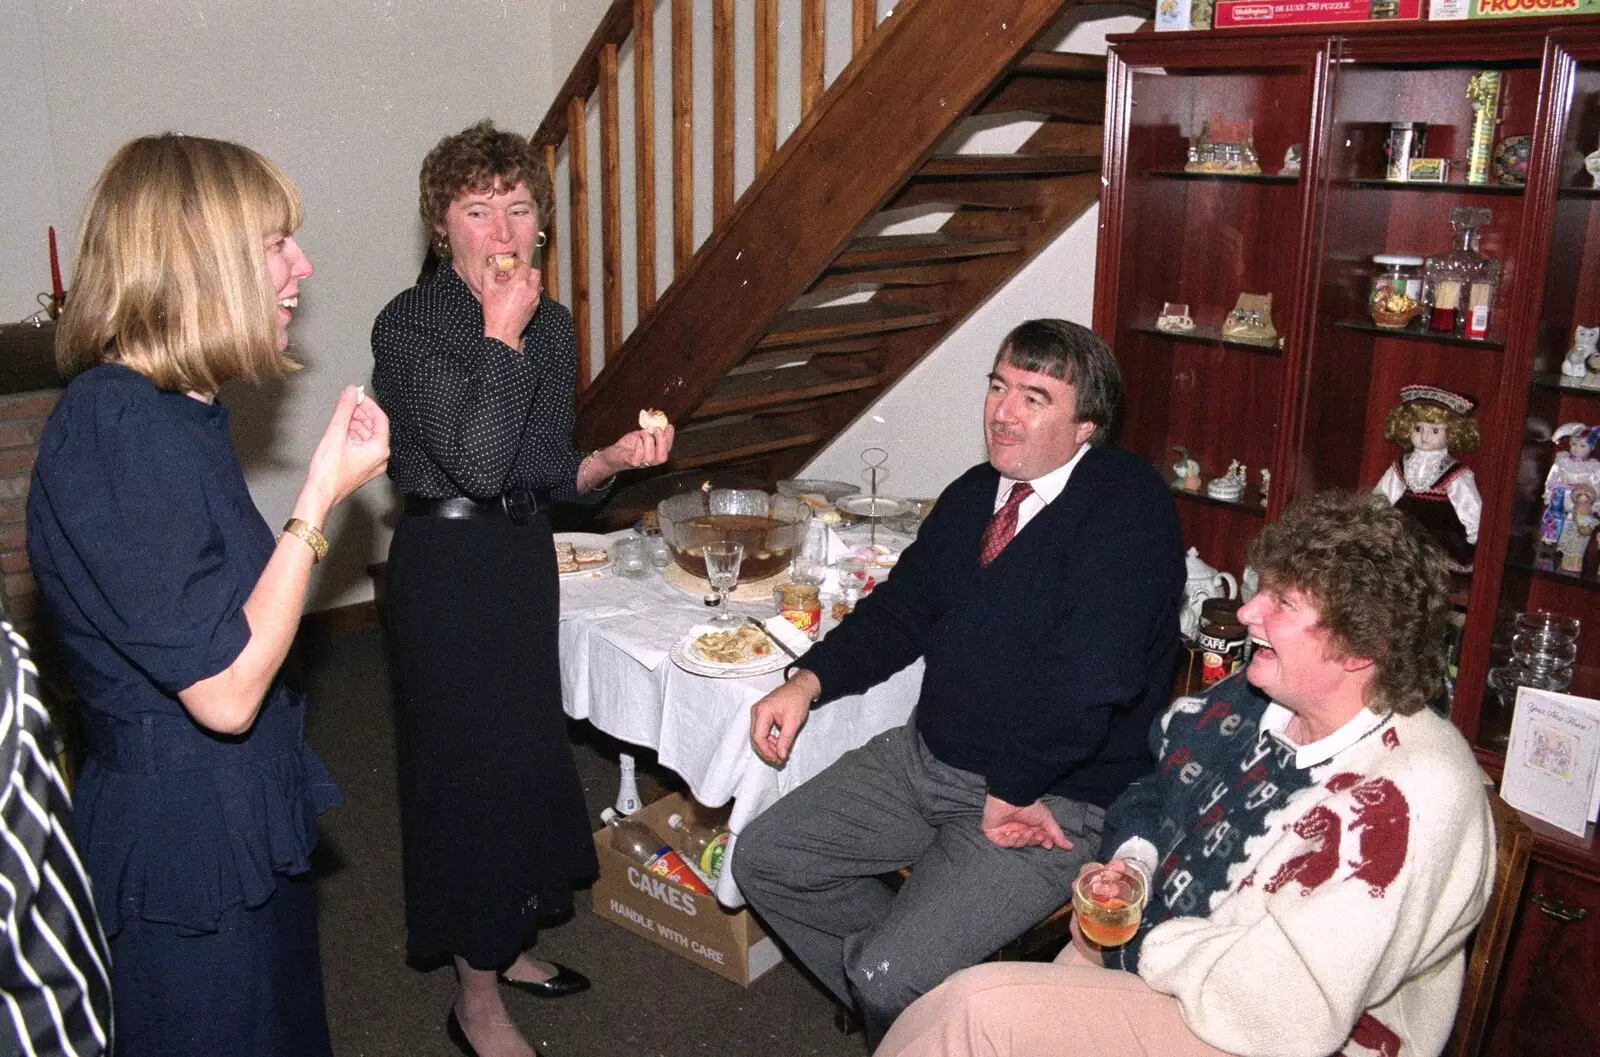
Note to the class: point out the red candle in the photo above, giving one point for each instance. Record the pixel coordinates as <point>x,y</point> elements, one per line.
<point>56,291</point>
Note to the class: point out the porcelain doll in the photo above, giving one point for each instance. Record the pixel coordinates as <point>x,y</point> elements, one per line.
<point>1578,528</point>
<point>1434,425</point>
<point>1186,469</point>
<point>1577,465</point>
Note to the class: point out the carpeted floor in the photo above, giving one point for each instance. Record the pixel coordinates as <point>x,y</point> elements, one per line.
<point>646,1001</point>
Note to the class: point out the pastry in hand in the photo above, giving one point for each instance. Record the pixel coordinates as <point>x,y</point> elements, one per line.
<point>652,419</point>
<point>504,263</point>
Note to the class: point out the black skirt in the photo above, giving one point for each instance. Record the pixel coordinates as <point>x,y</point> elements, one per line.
<point>494,828</point>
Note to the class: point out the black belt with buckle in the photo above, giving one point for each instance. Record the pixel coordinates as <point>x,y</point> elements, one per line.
<point>518,506</point>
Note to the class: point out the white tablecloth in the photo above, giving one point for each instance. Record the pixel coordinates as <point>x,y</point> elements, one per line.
<point>612,629</point>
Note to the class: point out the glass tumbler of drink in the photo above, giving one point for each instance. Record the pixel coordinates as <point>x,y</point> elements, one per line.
<point>1108,904</point>
<point>722,569</point>
<point>852,580</point>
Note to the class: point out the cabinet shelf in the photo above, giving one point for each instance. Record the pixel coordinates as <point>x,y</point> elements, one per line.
<point>1206,336</point>
<point>1578,192</point>
<point>1232,177</point>
<point>1542,561</point>
<point>1555,382</point>
<point>1249,503</point>
<point>1456,187</point>
<point>1417,333</point>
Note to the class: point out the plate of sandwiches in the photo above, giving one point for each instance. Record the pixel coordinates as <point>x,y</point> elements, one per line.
<point>727,653</point>
<point>581,552</point>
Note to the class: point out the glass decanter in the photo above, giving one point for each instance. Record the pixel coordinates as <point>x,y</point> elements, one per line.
<point>1459,286</point>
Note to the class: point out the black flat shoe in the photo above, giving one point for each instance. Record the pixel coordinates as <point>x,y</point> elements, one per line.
<point>452,1027</point>
<point>565,982</point>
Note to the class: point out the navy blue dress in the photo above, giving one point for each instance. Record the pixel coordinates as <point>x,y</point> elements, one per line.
<point>146,544</point>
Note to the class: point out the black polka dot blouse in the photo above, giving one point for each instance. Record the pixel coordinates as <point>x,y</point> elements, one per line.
<point>468,414</point>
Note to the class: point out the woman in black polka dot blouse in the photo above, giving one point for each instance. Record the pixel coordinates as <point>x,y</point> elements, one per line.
<point>476,369</point>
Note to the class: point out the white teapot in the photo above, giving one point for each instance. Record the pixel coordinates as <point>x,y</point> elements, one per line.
<point>1202,582</point>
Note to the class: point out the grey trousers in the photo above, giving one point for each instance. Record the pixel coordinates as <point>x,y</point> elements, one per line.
<point>811,867</point>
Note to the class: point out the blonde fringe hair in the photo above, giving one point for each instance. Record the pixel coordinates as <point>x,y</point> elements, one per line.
<point>170,277</point>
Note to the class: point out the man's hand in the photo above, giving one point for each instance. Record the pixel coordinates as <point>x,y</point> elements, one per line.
<point>1010,826</point>
<point>776,719</point>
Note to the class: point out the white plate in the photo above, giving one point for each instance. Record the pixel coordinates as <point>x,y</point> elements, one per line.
<point>862,505</point>
<point>828,490</point>
<point>684,656</point>
<point>586,541</point>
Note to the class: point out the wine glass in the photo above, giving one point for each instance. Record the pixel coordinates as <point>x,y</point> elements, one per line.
<point>723,559</point>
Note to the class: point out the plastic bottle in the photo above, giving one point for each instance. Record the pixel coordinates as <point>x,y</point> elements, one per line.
<point>705,846</point>
<point>637,842</point>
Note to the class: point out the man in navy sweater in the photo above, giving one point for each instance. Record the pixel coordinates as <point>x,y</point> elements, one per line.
<point>1042,593</point>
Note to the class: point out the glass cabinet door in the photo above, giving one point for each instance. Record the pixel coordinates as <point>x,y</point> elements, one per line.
<point>1210,277</point>
<point>1551,554</point>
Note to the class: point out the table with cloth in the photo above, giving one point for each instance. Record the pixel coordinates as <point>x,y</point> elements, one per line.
<point>616,634</point>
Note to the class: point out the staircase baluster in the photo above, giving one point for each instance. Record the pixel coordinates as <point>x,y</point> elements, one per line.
<point>644,150</point>
<point>682,136</point>
<point>578,222</point>
<point>812,21</point>
<point>722,134</point>
<point>610,203</point>
<point>766,87</point>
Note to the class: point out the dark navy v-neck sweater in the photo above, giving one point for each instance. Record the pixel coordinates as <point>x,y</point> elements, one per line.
<point>1045,669</point>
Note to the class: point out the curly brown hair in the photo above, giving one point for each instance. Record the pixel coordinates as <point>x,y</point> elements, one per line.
<point>1379,582</point>
<point>1461,431</point>
<point>476,160</point>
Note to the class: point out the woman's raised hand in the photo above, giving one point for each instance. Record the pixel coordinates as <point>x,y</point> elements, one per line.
<point>354,449</point>
<point>509,299</point>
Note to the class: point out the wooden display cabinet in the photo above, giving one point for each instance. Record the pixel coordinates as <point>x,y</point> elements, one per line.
<point>1312,409</point>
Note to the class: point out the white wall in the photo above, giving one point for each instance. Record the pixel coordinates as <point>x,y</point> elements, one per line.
<point>347,97</point>
<point>931,422</point>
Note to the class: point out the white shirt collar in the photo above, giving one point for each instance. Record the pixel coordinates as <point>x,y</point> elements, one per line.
<point>1046,488</point>
<point>1276,718</point>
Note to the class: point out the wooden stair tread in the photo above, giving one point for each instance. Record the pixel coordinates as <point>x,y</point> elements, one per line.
<point>1063,64</point>
<point>719,442</point>
<point>785,385</point>
<point>809,325</point>
<point>979,165</point>
<point>876,250</point>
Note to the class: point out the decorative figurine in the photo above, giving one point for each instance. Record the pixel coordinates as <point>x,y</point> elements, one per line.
<point>1483,92</point>
<point>1230,486</point>
<point>1577,465</point>
<point>1251,320</point>
<point>1266,483</point>
<point>1591,165</point>
<point>1578,529</point>
<point>1186,469</point>
<point>1427,482</point>
<point>1291,161</point>
<point>1175,318</point>
<point>1223,147</point>
<point>1576,363</point>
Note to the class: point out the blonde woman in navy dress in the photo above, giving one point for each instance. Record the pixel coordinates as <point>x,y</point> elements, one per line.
<point>477,369</point>
<point>175,603</point>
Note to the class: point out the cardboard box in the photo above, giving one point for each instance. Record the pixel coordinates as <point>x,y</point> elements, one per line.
<point>1457,9</point>
<point>729,943</point>
<point>1236,13</point>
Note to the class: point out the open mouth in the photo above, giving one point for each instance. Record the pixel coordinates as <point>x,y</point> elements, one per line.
<point>1260,645</point>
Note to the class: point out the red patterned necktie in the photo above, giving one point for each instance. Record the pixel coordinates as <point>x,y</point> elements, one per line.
<point>1004,524</point>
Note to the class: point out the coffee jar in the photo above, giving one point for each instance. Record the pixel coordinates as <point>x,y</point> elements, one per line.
<point>1221,638</point>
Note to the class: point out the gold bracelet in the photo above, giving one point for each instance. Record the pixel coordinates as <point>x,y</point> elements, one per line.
<point>312,536</point>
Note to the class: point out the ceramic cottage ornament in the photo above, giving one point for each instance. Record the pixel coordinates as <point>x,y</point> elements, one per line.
<point>1175,318</point>
<point>1427,482</point>
<point>1577,465</point>
<point>1251,321</point>
<point>1223,147</point>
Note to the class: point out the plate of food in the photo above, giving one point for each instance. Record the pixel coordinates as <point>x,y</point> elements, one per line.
<point>728,653</point>
<point>581,552</point>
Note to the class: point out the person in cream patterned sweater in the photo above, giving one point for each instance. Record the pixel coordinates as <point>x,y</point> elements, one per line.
<point>1317,843</point>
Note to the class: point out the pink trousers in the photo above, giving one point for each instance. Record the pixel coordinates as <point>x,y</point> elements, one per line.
<point>1071,1008</point>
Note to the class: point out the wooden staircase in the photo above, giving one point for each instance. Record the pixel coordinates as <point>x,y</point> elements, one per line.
<point>754,370</point>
